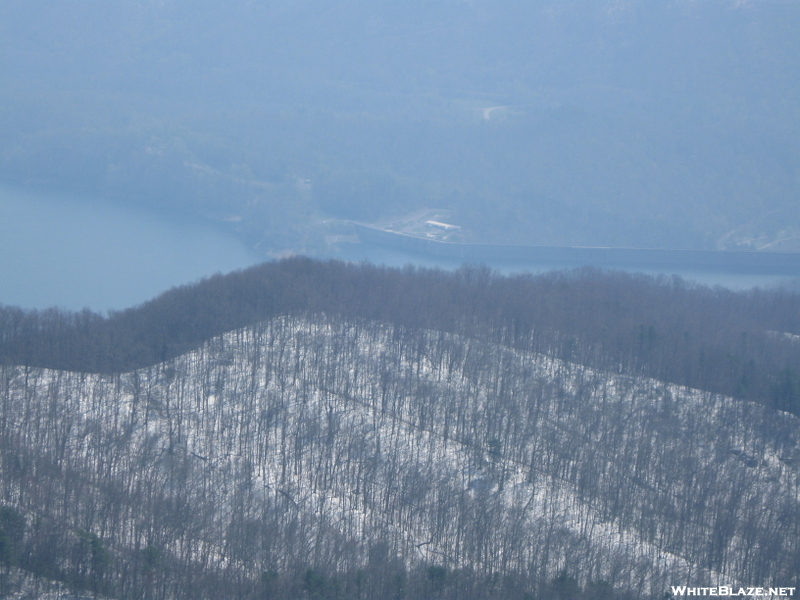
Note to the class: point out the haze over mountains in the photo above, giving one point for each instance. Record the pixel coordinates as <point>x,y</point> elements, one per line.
<point>330,431</point>
<point>671,124</point>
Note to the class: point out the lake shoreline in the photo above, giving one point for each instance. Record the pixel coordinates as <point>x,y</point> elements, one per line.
<point>649,259</point>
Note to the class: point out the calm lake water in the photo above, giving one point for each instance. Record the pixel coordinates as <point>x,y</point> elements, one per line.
<point>74,252</point>
<point>393,257</point>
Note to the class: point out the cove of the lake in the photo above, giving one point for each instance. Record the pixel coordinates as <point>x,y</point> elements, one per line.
<point>76,252</point>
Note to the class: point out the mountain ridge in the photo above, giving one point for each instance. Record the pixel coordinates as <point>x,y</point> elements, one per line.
<point>465,459</point>
<point>663,327</point>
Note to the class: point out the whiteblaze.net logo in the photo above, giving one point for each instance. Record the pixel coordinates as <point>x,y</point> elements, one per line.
<point>727,590</point>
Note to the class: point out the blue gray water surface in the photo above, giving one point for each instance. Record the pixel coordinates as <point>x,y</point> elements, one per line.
<point>75,252</point>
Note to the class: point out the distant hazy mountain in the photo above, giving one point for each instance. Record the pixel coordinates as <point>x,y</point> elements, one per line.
<point>616,123</point>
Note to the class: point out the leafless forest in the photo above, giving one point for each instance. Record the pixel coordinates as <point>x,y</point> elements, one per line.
<point>403,434</point>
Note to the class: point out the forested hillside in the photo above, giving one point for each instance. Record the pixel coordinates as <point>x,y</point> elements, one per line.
<point>742,344</point>
<point>319,458</point>
<point>323,430</point>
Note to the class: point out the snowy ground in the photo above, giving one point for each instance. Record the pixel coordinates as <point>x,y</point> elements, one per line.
<point>325,435</point>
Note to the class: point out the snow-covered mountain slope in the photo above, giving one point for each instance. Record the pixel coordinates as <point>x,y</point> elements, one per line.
<point>348,444</point>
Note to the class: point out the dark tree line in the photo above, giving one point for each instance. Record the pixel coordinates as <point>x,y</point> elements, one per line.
<point>742,344</point>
